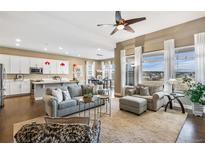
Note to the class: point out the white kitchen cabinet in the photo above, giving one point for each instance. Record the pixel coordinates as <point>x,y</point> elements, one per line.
<point>19,87</point>
<point>53,67</point>
<point>15,87</point>
<point>46,66</point>
<point>19,65</point>
<point>49,66</point>
<point>62,67</point>
<point>25,87</point>
<point>36,62</point>
<point>15,64</point>
<point>6,87</point>
<point>24,65</point>
<point>5,60</point>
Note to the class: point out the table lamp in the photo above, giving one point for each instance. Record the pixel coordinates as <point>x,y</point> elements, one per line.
<point>172,82</point>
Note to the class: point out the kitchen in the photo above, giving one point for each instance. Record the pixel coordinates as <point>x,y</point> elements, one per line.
<point>31,75</point>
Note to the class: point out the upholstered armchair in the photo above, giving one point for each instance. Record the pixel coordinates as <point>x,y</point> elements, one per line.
<point>155,97</point>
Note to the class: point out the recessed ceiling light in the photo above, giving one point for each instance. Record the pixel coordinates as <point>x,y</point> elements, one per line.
<point>98,49</point>
<point>18,40</point>
<point>17,44</point>
<point>60,48</point>
<point>45,49</point>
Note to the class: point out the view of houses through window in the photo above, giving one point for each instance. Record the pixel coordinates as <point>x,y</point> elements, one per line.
<point>153,67</point>
<point>184,66</point>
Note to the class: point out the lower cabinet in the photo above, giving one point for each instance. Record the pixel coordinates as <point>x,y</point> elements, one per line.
<point>16,87</point>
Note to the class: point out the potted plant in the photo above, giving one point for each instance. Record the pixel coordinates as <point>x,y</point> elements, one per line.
<point>196,93</point>
<point>87,98</point>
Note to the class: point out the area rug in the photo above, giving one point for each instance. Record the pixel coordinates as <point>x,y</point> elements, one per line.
<point>125,127</point>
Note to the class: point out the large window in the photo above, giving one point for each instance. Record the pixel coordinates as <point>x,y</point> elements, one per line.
<point>130,71</point>
<point>184,66</point>
<point>153,68</point>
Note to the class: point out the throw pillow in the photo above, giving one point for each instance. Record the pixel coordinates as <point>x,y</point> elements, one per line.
<point>137,90</point>
<point>66,95</point>
<point>144,91</point>
<point>58,94</point>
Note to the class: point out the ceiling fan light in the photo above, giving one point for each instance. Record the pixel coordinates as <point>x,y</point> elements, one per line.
<point>120,27</point>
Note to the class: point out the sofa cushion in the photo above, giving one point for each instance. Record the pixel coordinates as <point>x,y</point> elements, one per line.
<point>66,95</point>
<point>144,91</point>
<point>75,90</point>
<point>58,94</point>
<point>137,88</point>
<point>67,103</point>
<point>148,98</point>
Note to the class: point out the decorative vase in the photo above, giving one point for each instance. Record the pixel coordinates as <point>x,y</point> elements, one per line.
<point>198,109</point>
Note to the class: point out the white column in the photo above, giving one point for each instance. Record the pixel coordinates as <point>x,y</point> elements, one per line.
<point>123,71</point>
<point>138,65</point>
<point>110,70</point>
<point>199,44</point>
<point>103,69</point>
<point>169,61</point>
<point>93,69</point>
<point>86,76</point>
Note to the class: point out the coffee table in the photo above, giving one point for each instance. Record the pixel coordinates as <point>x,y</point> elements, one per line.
<point>172,97</point>
<point>81,101</point>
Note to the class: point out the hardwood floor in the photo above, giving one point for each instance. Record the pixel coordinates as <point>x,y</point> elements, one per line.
<point>193,130</point>
<point>16,110</point>
<point>22,108</point>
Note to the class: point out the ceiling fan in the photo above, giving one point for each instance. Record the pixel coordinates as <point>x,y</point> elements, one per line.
<point>122,23</point>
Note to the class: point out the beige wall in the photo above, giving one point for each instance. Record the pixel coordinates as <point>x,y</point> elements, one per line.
<point>72,60</point>
<point>183,35</point>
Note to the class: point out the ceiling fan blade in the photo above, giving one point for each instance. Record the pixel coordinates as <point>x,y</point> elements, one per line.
<point>118,15</point>
<point>106,24</point>
<point>129,29</point>
<point>114,31</point>
<point>132,21</point>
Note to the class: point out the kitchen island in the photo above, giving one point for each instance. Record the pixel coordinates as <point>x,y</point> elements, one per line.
<point>39,87</point>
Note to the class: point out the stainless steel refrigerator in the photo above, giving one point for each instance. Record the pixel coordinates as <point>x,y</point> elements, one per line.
<point>2,89</point>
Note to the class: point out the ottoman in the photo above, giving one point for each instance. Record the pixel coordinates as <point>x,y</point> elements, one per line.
<point>133,104</point>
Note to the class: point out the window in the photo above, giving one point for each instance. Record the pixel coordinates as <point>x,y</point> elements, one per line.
<point>130,71</point>
<point>89,70</point>
<point>153,68</point>
<point>184,66</point>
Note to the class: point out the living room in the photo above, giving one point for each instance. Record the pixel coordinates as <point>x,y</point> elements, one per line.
<point>102,76</point>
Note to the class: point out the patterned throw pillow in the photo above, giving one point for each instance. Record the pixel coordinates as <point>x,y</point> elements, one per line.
<point>66,95</point>
<point>58,94</point>
<point>144,91</point>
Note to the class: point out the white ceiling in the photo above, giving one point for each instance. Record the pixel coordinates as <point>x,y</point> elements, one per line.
<point>77,32</point>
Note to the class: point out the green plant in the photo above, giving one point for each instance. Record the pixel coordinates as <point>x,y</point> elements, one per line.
<point>88,95</point>
<point>196,91</point>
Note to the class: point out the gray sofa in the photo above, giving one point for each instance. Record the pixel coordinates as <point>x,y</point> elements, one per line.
<point>155,99</point>
<point>57,109</point>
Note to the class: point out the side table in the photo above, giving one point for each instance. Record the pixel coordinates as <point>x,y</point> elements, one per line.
<point>172,97</point>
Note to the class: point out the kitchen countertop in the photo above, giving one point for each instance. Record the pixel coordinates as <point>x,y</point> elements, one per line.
<point>51,82</point>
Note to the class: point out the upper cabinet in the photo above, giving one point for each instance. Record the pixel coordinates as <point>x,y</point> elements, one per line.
<point>21,65</point>
<point>36,62</point>
<point>49,66</point>
<point>5,60</point>
<point>62,67</point>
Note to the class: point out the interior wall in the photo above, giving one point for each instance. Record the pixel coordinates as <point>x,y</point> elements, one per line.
<point>183,35</point>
